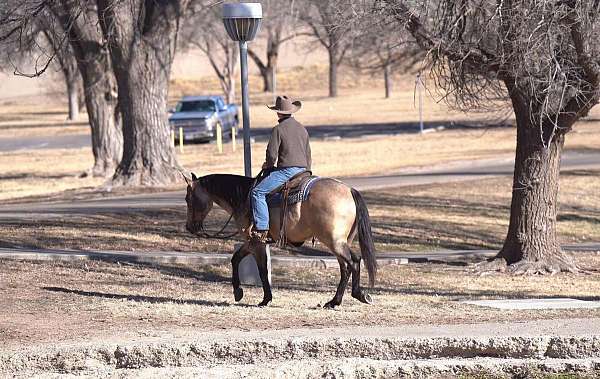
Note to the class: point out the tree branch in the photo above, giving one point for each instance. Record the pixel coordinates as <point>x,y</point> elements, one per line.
<point>475,58</point>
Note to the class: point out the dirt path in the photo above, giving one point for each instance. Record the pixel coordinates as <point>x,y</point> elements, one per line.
<point>81,301</point>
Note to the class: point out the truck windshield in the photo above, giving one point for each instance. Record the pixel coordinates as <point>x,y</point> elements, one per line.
<point>196,106</point>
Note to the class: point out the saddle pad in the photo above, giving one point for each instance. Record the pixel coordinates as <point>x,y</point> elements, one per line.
<point>297,195</point>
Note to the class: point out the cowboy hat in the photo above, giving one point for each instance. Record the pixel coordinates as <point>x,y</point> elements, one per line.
<point>285,105</point>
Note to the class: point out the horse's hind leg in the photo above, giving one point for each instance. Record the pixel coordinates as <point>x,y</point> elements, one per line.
<point>344,276</point>
<point>260,253</point>
<point>357,292</point>
<point>238,255</point>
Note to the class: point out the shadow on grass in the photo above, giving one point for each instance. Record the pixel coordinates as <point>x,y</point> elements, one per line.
<point>184,272</point>
<point>383,128</point>
<point>137,298</point>
<point>31,175</point>
<point>475,294</point>
<point>116,226</point>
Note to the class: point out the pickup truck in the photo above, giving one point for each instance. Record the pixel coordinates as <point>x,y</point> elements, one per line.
<point>200,115</point>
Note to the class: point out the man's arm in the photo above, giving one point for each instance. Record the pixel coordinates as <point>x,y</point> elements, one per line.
<point>272,149</point>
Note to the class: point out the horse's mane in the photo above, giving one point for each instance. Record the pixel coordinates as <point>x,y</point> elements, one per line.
<point>233,189</point>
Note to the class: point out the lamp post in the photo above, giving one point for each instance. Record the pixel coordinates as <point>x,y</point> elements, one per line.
<point>242,21</point>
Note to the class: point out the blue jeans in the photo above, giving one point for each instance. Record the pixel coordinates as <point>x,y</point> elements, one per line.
<point>260,210</point>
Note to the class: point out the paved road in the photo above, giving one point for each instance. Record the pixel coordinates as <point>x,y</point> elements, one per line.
<point>316,131</point>
<point>451,172</point>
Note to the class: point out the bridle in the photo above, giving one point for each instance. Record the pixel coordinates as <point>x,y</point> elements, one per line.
<point>203,234</point>
<point>216,235</point>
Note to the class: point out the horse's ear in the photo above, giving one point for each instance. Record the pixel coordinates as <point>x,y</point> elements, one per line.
<point>194,178</point>
<point>186,179</point>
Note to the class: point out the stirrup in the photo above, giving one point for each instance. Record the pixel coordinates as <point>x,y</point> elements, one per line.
<point>259,236</point>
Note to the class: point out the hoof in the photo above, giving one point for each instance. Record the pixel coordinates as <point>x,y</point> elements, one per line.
<point>330,305</point>
<point>264,303</point>
<point>238,293</point>
<point>363,297</point>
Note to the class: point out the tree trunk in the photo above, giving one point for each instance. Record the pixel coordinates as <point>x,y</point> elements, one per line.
<point>268,78</point>
<point>142,53</point>
<point>73,95</point>
<point>99,86</point>
<point>387,78</point>
<point>71,75</point>
<point>267,71</point>
<point>148,157</point>
<point>531,244</point>
<point>101,103</point>
<point>333,68</point>
<point>231,88</point>
<point>272,58</point>
<point>81,97</point>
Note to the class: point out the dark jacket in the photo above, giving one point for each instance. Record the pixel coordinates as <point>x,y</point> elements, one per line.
<point>288,146</point>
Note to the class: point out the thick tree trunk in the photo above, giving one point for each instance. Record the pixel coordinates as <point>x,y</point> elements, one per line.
<point>148,157</point>
<point>333,68</point>
<point>387,78</point>
<point>142,52</point>
<point>107,134</point>
<point>531,244</point>
<point>99,86</point>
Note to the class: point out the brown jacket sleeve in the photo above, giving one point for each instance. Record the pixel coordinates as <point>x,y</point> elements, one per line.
<point>273,148</point>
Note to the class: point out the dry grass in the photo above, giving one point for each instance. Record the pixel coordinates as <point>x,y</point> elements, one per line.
<point>43,302</point>
<point>462,215</point>
<point>30,173</point>
<point>43,172</point>
<point>360,107</point>
<point>475,214</point>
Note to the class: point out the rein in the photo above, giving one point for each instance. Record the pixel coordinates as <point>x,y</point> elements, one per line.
<point>216,235</point>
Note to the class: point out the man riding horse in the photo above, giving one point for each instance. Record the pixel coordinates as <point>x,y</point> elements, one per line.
<point>327,210</point>
<point>288,153</point>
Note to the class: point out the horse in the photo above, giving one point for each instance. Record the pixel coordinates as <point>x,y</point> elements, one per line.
<point>333,213</point>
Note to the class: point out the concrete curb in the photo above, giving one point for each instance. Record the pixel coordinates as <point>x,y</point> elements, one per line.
<point>171,257</point>
<point>368,368</point>
<point>252,349</point>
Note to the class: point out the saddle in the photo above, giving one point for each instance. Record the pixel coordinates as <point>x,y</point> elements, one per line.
<point>295,190</point>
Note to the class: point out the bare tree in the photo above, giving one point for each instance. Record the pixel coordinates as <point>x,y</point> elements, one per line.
<point>328,22</point>
<point>142,39</point>
<point>68,67</point>
<point>381,47</point>
<point>80,20</point>
<point>543,55</point>
<point>42,37</point>
<point>203,29</point>
<point>73,36</point>
<point>279,23</point>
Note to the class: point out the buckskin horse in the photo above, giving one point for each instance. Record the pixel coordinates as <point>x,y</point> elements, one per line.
<point>333,213</point>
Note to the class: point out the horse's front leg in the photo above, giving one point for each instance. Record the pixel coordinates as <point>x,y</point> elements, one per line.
<point>238,255</point>
<point>260,254</point>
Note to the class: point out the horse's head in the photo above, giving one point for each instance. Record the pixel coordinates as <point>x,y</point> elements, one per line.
<point>199,204</point>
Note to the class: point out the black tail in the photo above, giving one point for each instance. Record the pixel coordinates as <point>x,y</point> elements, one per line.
<point>365,236</point>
